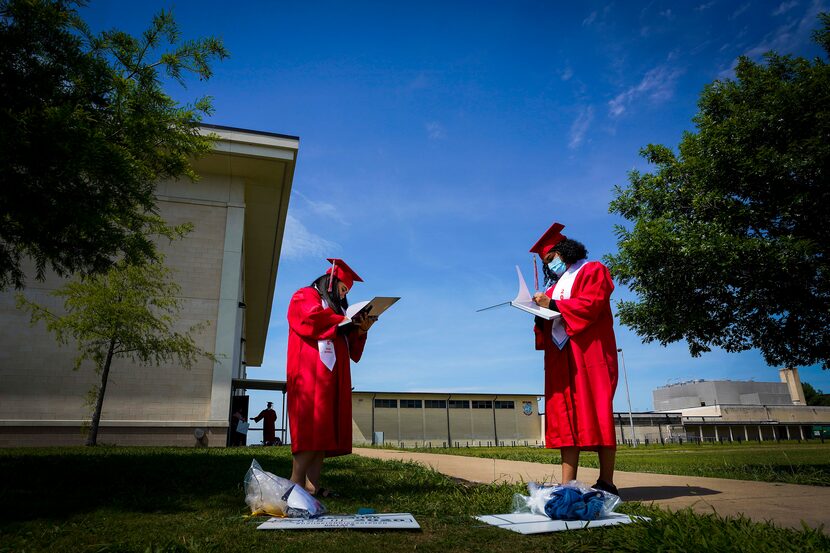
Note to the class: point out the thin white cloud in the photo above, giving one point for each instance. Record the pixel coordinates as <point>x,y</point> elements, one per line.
<point>784,7</point>
<point>785,39</point>
<point>420,81</point>
<point>699,48</point>
<point>590,19</point>
<point>657,85</point>
<point>737,13</point>
<point>566,73</point>
<point>321,209</point>
<point>300,242</point>
<point>435,130</point>
<point>580,127</point>
<point>705,6</point>
<point>729,72</point>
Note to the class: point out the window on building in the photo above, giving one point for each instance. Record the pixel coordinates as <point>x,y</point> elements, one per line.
<point>505,405</point>
<point>410,404</point>
<point>459,404</point>
<point>482,404</point>
<point>391,403</point>
<point>435,403</point>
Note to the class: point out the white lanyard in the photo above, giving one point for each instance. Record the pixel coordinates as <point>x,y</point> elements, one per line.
<point>562,291</point>
<point>326,348</point>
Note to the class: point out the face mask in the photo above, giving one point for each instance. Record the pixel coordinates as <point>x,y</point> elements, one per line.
<point>557,266</point>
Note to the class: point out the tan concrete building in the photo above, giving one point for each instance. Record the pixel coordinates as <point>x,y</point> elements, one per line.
<point>732,410</point>
<point>227,270</point>
<point>754,422</point>
<point>436,419</point>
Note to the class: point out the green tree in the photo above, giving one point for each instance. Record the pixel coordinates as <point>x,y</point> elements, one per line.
<point>127,312</point>
<point>730,238</point>
<point>86,132</point>
<point>813,396</point>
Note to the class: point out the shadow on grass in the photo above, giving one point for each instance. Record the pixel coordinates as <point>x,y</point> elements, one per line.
<point>59,484</point>
<point>56,484</point>
<point>654,493</point>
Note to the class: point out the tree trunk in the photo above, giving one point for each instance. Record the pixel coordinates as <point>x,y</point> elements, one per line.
<point>92,439</point>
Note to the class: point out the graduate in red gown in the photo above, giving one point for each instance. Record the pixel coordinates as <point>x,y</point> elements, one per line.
<point>580,355</point>
<point>319,379</point>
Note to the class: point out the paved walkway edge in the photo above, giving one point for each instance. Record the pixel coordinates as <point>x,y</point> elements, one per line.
<point>781,504</point>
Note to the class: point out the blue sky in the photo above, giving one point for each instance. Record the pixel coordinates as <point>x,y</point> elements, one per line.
<point>439,140</point>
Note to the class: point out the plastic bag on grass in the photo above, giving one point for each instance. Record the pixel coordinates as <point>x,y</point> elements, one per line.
<point>571,501</point>
<point>268,494</point>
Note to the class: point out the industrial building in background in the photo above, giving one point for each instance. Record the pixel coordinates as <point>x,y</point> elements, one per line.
<point>412,419</point>
<point>697,411</point>
<point>226,267</point>
<point>744,410</point>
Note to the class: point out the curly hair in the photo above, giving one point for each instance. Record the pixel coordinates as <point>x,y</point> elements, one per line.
<point>570,251</point>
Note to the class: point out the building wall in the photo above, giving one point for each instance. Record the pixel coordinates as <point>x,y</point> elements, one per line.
<point>39,388</point>
<point>410,426</point>
<point>654,427</point>
<point>714,392</point>
<point>795,414</point>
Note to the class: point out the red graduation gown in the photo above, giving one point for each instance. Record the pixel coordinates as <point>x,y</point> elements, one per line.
<point>580,379</point>
<point>319,399</point>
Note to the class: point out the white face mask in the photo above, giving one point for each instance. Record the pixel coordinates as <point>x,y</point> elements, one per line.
<point>557,266</point>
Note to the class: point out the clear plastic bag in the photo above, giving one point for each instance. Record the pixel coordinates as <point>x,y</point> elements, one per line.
<point>268,494</point>
<point>541,495</point>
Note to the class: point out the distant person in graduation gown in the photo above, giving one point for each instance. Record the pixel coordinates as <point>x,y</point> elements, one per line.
<point>319,378</point>
<point>580,355</point>
<point>269,419</point>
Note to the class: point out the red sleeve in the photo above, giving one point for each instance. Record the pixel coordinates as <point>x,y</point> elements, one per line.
<point>308,318</point>
<point>357,342</point>
<point>593,297</point>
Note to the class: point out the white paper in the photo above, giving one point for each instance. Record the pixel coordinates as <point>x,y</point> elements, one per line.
<point>527,523</point>
<point>384,521</point>
<point>379,305</point>
<point>524,301</point>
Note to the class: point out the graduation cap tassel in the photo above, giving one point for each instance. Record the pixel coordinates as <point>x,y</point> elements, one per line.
<point>535,273</point>
<point>331,276</point>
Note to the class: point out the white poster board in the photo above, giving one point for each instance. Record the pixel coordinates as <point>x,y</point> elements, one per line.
<point>527,523</point>
<point>384,521</point>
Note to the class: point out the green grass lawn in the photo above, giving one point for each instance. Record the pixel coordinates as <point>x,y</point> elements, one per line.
<point>168,499</point>
<point>791,462</point>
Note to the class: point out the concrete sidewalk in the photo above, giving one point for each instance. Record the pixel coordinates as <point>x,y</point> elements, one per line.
<point>782,504</point>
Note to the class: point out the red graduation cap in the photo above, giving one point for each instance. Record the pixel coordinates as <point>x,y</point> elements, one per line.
<point>548,240</point>
<point>343,272</point>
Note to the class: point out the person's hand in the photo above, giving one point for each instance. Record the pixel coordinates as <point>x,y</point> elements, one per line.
<point>541,299</point>
<point>364,323</point>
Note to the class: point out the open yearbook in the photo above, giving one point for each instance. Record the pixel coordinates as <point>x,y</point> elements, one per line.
<point>371,308</point>
<point>524,301</point>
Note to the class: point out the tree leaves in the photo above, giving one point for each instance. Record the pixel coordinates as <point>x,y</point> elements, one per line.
<point>730,235</point>
<point>86,133</point>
